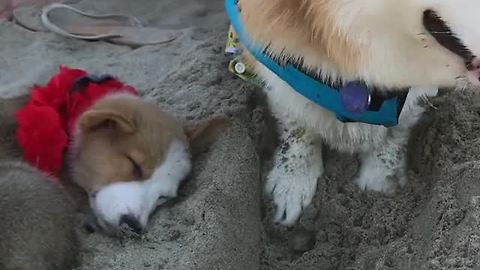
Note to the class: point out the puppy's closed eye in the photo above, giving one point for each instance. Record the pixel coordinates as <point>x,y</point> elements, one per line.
<point>137,170</point>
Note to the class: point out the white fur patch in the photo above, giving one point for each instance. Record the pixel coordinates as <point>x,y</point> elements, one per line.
<point>138,199</point>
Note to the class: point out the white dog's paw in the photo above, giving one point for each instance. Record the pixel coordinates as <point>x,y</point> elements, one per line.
<point>378,175</point>
<point>297,165</point>
<point>375,182</point>
<point>291,192</point>
<point>383,169</point>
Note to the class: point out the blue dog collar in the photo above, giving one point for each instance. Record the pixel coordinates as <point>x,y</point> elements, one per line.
<point>353,102</point>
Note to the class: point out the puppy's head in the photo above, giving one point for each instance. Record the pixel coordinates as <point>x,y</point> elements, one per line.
<point>124,154</point>
<point>386,43</point>
<point>130,156</point>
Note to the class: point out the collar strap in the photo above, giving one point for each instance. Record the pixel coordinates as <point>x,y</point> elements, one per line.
<point>372,107</point>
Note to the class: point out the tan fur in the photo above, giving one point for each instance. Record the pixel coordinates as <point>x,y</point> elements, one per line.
<point>8,147</point>
<point>114,132</point>
<point>37,231</point>
<point>303,28</point>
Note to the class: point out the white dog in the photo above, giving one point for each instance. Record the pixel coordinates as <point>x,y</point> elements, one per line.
<point>416,45</point>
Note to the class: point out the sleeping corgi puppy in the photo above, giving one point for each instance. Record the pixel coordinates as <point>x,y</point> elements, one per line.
<point>130,157</point>
<point>127,154</point>
<point>395,50</point>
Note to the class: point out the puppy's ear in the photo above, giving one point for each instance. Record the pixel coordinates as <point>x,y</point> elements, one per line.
<point>202,135</point>
<point>109,119</point>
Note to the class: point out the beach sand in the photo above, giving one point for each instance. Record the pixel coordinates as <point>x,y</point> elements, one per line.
<point>221,219</point>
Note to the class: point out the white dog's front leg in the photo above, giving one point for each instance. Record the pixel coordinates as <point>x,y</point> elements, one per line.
<point>383,165</point>
<point>386,162</point>
<point>293,179</point>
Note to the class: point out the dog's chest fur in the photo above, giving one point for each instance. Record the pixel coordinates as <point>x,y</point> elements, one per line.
<point>346,137</point>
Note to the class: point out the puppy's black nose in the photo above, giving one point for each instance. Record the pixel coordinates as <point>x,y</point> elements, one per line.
<point>131,222</point>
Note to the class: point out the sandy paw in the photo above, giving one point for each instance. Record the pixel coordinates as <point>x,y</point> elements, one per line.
<point>382,172</point>
<point>290,193</point>
<point>377,183</point>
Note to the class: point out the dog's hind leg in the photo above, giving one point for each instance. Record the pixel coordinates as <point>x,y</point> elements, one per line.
<point>297,165</point>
